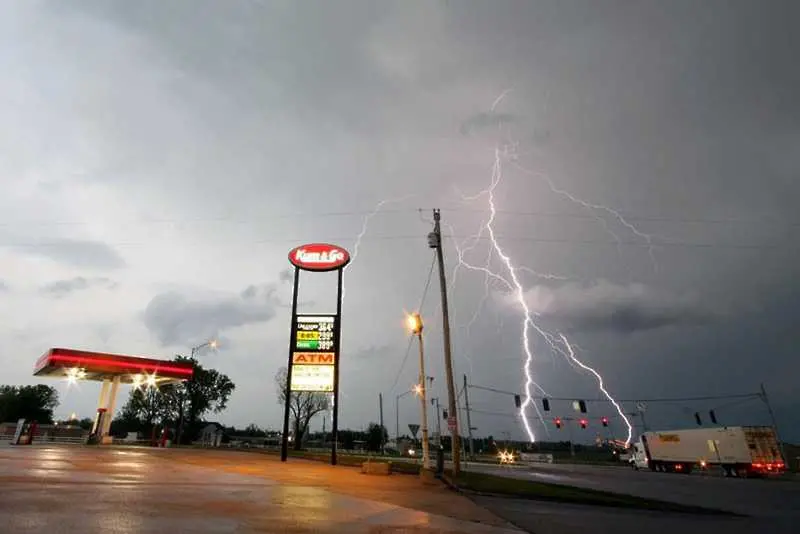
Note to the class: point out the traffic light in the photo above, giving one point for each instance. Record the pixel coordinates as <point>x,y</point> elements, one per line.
<point>604,420</point>
<point>582,406</point>
<point>697,418</point>
<point>546,404</point>
<point>517,401</point>
<point>584,423</point>
<point>557,421</point>
<point>712,416</point>
<point>444,414</point>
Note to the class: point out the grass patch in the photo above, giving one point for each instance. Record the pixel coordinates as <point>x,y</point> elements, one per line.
<point>528,489</point>
<point>351,460</point>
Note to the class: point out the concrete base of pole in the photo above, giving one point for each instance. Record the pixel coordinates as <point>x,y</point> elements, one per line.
<point>376,468</point>
<point>428,476</point>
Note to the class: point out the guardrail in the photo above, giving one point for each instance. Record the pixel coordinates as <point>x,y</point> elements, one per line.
<point>76,440</point>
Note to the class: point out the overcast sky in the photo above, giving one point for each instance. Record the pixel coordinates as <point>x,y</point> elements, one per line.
<point>159,159</point>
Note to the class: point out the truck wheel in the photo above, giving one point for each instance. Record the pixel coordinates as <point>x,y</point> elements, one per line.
<point>725,471</point>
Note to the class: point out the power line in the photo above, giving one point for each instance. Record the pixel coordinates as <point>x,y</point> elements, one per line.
<point>353,213</point>
<point>411,338</point>
<point>784,244</point>
<point>206,219</point>
<point>663,399</point>
<point>496,414</point>
<point>586,216</point>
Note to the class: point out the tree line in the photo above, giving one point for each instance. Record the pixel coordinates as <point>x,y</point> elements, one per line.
<point>174,405</point>
<point>146,408</point>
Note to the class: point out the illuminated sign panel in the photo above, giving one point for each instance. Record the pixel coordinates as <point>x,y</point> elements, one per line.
<point>317,378</point>
<point>315,333</point>
<point>313,356</point>
<point>319,257</point>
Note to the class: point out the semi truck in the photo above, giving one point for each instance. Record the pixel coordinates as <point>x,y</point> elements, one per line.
<point>740,451</point>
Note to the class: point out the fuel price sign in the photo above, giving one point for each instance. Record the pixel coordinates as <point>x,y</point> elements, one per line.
<point>315,333</point>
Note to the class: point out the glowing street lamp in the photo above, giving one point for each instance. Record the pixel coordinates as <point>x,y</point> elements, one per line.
<point>414,322</point>
<point>211,343</point>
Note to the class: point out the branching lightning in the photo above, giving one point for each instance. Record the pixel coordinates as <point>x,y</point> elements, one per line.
<point>512,283</point>
<point>599,378</point>
<point>365,226</point>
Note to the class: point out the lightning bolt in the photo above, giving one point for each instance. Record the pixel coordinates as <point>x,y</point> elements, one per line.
<point>364,227</point>
<point>593,209</point>
<point>599,378</point>
<point>558,344</point>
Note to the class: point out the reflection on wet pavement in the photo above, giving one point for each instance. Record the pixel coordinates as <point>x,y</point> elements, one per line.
<point>95,490</point>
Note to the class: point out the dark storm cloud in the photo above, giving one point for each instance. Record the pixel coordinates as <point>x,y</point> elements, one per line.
<point>78,253</point>
<point>680,109</point>
<point>318,66</point>
<point>617,308</point>
<point>62,288</point>
<point>174,318</point>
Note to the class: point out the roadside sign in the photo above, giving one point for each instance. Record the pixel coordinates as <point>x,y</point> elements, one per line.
<point>451,423</point>
<point>414,429</point>
<point>313,356</point>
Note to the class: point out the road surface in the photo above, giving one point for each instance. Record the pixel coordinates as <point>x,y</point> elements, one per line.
<point>90,490</point>
<point>776,501</point>
<point>546,518</point>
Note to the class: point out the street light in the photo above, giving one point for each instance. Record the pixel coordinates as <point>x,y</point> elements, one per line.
<point>213,344</point>
<point>414,321</point>
<point>397,414</point>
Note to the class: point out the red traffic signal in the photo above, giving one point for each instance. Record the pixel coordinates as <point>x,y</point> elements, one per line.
<point>604,420</point>
<point>557,421</point>
<point>584,423</point>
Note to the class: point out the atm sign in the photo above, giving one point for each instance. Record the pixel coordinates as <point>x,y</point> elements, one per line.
<point>313,358</point>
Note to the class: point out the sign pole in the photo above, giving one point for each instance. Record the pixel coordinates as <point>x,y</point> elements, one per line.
<point>337,342</point>
<point>288,400</point>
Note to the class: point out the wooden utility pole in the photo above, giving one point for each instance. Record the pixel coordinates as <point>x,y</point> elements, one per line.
<point>380,407</point>
<point>435,241</point>
<point>469,422</point>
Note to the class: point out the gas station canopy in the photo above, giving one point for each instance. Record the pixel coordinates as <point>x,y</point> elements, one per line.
<point>99,366</point>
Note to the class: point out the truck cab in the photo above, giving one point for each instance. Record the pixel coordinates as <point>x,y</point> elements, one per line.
<point>638,459</point>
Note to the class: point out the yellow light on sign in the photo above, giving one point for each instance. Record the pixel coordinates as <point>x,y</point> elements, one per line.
<point>308,336</point>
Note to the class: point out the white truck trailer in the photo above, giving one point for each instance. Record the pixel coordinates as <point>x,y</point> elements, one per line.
<point>739,450</point>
